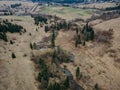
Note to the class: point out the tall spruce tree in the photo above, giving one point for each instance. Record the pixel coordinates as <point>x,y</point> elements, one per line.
<point>53,39</point>
<point>78,73</point>
<point>66,82</point>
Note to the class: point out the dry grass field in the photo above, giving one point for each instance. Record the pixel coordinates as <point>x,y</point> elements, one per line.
<point>25,3</point>
<point>99,62</point>
<point>98,5</point>
<point>18,73</point>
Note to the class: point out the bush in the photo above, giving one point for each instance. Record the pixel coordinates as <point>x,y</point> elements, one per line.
<point>96,87</point>
<point>3,36</point>
<point>30,34</point>
<point>13,55</point>
<point>36,29</point>
<point>11,42</point>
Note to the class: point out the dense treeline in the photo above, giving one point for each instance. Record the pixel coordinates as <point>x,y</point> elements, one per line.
<point>106,15</point>
<point>58,26</point>
<point>86,34</point>
<point>40,19</point>
<point>15,5</point>
<point>9,27</point>
<point>113,8</point>
<point>6,26</point>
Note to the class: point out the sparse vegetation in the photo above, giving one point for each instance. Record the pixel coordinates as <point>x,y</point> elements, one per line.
<point>66,56</point>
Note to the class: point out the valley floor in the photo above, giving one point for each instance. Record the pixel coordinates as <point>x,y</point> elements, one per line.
<point>95,63</point>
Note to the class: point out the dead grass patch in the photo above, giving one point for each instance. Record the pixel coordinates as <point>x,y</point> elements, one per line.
<point>104,37</point>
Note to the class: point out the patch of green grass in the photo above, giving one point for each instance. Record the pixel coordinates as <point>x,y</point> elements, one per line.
<point>67,12</point>
<point>23,18</point>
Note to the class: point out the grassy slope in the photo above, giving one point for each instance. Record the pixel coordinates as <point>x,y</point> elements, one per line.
<point>67,12</point>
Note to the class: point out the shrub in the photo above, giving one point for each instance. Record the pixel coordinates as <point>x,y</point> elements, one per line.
<point>96,87</point>
<point>13,55</point>
<point>3,36</point>
<point>30,34</point>
<point>11,42</point>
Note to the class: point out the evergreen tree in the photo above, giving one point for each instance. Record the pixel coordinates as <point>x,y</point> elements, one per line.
<point>50,87</point>
<point>53,39</point>
<point>11,42</point>
<point>96,87</point>
<point>39,77</point>
<point>31,46</point>
<point>92,35</point>
<point>64,24</point>
<point>69,25</point>
<point>54,55</point>
<point>79,39</point>
<point>44,83</point>
<point>86,36</point>
<point>77,31</point>
<point>87,27</point>
<point>13,55</point>
<point>76,42</point>
<point>83,43</point>
<point>3,36</point>
<point>66,82</point>
<point>46,28</point>
<point>36,29</point>
<point>78,73</point>
<point>42,63</point>
<point>55,86</point>
<point>53,43</point>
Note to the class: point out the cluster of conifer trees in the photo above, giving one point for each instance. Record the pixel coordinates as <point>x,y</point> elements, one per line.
<point>45,74</point>
<point>40,19</point>
<point>114,8</point>
<point>58,26</point>
<point>86,34</point>
<point>6,26</point>
<point>15,5</point>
